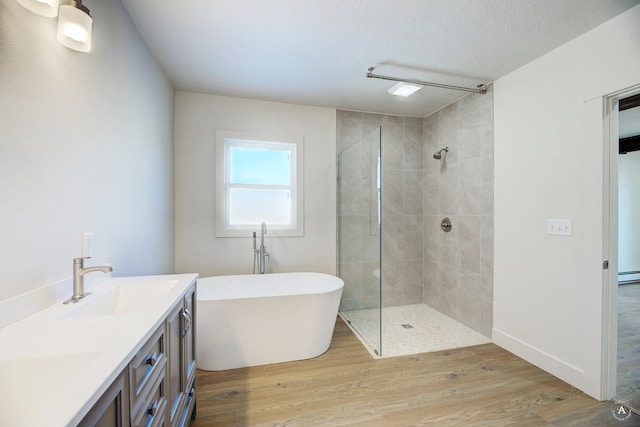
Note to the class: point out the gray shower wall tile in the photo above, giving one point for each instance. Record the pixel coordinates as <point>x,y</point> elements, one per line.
<point>486,142</point>
<point>469,242</point>
<point>412,147</point>
<point>448,189</point>
<point>447,137</point>
<point>471,290</point>
<point>352,233</point>
<point>375,119</point>
<point>465,194</point>
<point>432,239</point>
<point>430,140</point>
<point>486,245</point>
<point>412,274</point>
<point>487,114</point>
<point>392,120</point>
<point>475,298</point>
<point>487,306</point>
<point>353,294</point>
<point>392,237</point>
<point>348,132</point>
<point>412,121</point>
<point>392,192</point>
<point>450,112</point>
<point>352,162</point>
<point>363,290</point>
<point>357,187</point>
<point>470,187</point>
<point>369,128</point>
<point>358,239</point>
<point>412,282</point>
<point>430,284</point>
<point>471,111</point>
<point>430,192</point>
<point>486,102</point>
<point>354,196</point>
<point>402,195</point>
<point>469,143</point>
<point>447,291</point>
<point>392,285</point>
<point>392,147</point>
<point>450,245</point>
<point>371,240</point>
<point>412,192</point>
<point>348,115</point>
<point>412,232</point>
<point>486,207</point>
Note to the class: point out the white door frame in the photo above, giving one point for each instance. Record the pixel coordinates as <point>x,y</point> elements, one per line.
<point>610,240</point>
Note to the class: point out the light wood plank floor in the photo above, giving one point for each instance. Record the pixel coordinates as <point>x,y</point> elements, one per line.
<point>474,386</point>
<point>628,378</point>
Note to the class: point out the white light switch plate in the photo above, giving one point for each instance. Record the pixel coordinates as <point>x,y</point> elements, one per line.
<point>560,227</point>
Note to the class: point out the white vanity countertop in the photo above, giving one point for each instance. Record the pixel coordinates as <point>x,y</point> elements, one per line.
<point>56,363</point>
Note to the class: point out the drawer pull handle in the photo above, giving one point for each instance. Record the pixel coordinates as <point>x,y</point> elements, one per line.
<point>188,321</point>
<point>151,359</point>
<point>190,318</point>
<point>152,409</point>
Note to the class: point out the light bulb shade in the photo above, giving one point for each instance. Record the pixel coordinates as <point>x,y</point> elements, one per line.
<point>74,27</point>
<point>48,8</point>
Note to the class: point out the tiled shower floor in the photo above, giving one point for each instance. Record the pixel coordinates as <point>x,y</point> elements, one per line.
<point>429,330</point>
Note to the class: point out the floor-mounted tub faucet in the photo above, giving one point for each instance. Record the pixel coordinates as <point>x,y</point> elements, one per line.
<point>261,253</point>
<point>78,278</point>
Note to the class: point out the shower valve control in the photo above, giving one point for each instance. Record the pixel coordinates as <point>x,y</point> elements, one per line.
<point>446,225</point>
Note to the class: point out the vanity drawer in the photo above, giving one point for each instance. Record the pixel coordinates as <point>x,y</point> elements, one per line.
<point>147,365</point>
<point>153,410</point>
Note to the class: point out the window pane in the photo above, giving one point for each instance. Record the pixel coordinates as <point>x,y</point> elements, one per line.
<point>259,166</point>
<point>252,206</point>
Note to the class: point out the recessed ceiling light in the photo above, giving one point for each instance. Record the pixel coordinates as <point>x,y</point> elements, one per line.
<point>404,89</point>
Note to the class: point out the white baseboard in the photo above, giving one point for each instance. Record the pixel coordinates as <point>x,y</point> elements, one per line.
<point>556,367</point>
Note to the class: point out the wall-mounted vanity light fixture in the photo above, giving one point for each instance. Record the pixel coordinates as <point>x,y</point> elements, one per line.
<point>74,20</point>
<point>47,8</point>
<point>74,26</point>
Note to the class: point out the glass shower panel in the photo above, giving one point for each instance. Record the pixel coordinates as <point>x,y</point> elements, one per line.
<point>359,223</point>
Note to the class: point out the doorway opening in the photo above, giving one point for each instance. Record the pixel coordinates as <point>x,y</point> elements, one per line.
<point>622,232</point>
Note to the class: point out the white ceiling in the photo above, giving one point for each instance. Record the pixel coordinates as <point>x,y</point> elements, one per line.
<point>317,52</point>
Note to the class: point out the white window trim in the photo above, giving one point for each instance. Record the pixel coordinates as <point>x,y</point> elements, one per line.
<point>220,186</point>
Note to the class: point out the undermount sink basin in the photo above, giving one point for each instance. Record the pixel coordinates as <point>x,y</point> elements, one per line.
<point>126,298</point>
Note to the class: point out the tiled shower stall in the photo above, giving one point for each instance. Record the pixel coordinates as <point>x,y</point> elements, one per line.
<point>421,264</point>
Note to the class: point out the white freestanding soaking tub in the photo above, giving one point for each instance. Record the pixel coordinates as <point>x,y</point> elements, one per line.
<point>250,320</point>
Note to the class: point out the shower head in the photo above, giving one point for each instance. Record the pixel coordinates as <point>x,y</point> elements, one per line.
<point>438,154</point>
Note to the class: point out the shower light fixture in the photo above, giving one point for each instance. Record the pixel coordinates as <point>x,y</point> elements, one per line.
<point>74,26</point>
<point>404,89</point>
<point>47,8</point>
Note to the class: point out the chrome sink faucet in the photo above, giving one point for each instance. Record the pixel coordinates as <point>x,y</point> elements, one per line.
<point>78,278</point>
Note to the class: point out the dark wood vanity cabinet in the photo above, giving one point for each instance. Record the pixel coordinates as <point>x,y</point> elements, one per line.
<point>148,382</point>
<point>157,388</point>
<point>182,360</point>
<point>112,409</point>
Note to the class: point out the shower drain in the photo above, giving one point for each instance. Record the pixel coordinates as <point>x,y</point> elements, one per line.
<point>407,325</point>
